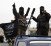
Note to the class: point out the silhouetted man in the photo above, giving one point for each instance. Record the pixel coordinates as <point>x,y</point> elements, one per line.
<point>42,22</point>
<point>20,19</point>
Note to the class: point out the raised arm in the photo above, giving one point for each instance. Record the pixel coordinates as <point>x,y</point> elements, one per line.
<point>48,16</point>
<point>27,12</point>
<point>35,19</point>
<point>15,11</point>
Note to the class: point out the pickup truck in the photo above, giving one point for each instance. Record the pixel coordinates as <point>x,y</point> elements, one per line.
<point>32,41</point>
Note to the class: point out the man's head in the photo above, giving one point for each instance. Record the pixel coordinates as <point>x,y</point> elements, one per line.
<point>21,11</point>
<point>41,9</point>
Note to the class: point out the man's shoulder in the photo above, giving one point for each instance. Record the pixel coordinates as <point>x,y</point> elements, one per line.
<point>47,13</point>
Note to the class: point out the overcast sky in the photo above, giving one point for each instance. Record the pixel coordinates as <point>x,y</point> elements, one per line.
<point>6,14</point>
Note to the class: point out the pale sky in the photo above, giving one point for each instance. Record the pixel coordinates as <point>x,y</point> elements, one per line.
<point>6,14</point>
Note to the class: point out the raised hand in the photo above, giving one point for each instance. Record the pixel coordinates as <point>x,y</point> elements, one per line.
<point>13,5</point>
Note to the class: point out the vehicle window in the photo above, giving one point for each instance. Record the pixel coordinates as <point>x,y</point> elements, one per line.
<point>40,43</point>
<point>21,44</point>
